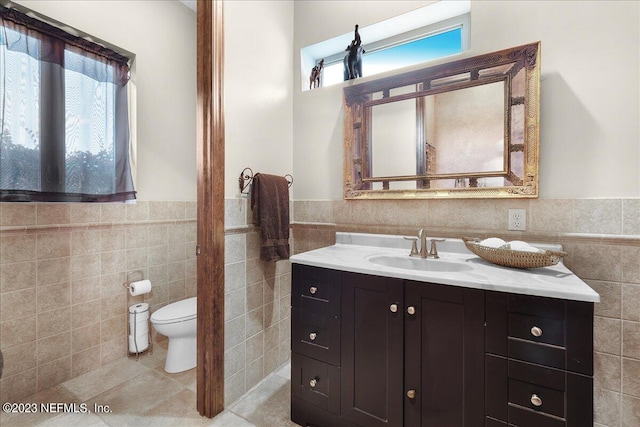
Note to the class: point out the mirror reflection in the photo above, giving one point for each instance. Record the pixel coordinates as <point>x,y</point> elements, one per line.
<point>453,130</point>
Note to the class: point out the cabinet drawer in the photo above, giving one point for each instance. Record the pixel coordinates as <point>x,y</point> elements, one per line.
<point>537,339</point>
<point>561,398</point>
<point>315,335</point>
<point>537,388</point>
<point>316,289</point>
<point>315,382</point>
<point>546,331</point>
<point>537,329</point>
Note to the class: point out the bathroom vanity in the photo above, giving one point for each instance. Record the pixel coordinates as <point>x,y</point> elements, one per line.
<point>381,341</point>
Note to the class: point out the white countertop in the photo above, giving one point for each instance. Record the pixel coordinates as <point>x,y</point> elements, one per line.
<point>353,252</point>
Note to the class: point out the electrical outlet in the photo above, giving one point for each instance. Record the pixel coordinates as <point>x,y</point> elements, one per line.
<point>517,219</point>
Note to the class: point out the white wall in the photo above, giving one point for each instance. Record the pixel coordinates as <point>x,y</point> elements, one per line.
<point>258,89</point>
<point>590,131</point>
<point>317,114</point>
<point>590,107</point>
<point>162,35</point>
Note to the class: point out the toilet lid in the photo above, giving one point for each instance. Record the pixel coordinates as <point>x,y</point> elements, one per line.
<point>178,311</point>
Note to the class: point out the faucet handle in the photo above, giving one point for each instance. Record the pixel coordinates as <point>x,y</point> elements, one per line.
<point>414,247</point>
<point>434,249</point>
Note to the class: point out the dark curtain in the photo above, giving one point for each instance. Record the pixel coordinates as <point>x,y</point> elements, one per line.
<point>64,115</point>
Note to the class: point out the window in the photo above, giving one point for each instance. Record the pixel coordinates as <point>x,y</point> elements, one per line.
<point>63,115</point>
<point>402,55</point>
<point>435,31</point>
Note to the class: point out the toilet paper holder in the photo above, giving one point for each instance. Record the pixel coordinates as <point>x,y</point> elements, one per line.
<point>137,275</point>
<point>130,278</point>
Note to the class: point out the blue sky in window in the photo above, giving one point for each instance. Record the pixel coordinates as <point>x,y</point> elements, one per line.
<point>426,49</point>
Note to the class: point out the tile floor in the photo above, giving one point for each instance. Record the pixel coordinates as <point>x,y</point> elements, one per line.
<point>141,393</point>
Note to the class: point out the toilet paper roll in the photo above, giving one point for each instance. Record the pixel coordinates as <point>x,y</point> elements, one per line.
<point>141,340</point>
<point>138,328</point>
<point>141,310</point>
<point>138,318</point>
<point>140,288</point>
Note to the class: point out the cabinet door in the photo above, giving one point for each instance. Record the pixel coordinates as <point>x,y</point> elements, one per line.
<point>371,350</point>
<point>444,356</point>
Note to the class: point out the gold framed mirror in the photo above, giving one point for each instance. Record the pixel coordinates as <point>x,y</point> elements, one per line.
<point>462,129</point>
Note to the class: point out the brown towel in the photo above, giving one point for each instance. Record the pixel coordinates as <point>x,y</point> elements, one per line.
<point>270,205</point>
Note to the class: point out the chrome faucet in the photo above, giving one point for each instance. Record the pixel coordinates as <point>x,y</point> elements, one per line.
<point>422,253</point>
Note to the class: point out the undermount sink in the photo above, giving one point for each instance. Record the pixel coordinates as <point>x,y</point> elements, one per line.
<point>419,264</point>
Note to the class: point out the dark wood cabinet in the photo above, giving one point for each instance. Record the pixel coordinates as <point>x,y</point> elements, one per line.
<point>539,361</point>
<point>374,351</point>
<point>315,346</point>
<point>444,355</point>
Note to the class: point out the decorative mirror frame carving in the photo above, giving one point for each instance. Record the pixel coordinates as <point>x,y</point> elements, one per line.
<point>525,57</point>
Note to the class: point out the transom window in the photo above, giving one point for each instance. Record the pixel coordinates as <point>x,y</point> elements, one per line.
<point>403,55</point>
<point>435,31</point>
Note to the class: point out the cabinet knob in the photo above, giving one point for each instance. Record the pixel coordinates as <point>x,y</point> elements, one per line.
<point>535,400</point>
<point>312,336</point>
<point>393,308</point>
<point>313,382</point>
<point>411,394</point>
<point>313,290</point>
<point>536,331</point>
<point>411,310</point>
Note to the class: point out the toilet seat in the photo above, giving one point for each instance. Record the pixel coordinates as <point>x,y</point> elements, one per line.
<point>179,311</point>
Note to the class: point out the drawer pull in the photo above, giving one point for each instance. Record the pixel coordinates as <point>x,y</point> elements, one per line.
<point>536,331</point>
<point>393,308</point>
<point>313,382</point>
<point>411,310</point>
<point>312,336</point>
<point>535,400</point>
<point>411,394</point>
<point>313,290</point>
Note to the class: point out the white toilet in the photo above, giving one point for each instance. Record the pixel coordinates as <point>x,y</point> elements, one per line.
<point>178,322</point>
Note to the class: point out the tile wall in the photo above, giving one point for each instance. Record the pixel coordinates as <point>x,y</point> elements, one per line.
<point>64,264</point>
<point>601,236</point>
<point>257,305</point>
<point>62,267</point>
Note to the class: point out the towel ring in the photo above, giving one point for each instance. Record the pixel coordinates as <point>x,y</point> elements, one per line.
<point>246,178</point>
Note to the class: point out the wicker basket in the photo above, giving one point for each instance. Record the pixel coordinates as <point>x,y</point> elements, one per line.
<point>511,258</point>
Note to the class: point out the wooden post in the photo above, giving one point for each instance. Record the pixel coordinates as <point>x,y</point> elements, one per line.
<point>210,66</point>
